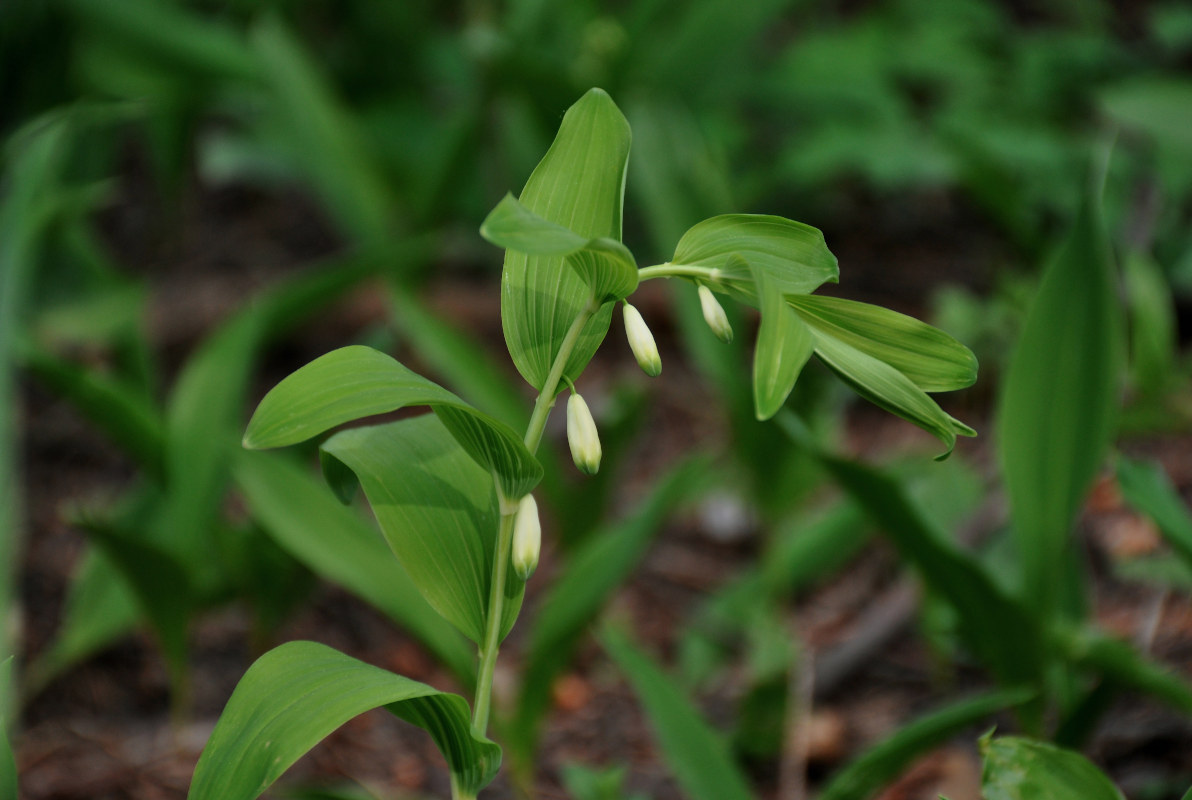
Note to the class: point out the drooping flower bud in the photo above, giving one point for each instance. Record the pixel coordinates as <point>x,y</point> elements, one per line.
<point>582,435</point>
<point>641,342</point>
<point>714,315</point>
<point>527,538</point>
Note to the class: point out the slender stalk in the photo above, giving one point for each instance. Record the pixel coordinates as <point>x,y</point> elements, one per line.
<point>496,610</point>
<point>496,596</point>
<point>669,270</point>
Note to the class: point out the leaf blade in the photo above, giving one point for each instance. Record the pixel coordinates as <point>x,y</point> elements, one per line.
<point>579,185</point>
<point>297,694</point>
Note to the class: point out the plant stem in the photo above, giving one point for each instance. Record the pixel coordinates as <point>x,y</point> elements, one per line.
<point>496,595</point>
<point>669,270</point>
<point>496,610</point>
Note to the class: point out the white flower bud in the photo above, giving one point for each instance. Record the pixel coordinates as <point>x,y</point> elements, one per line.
<point>582,435</point>
<point>714,315</point>
<point>527,538</point>
<point>641,342</point>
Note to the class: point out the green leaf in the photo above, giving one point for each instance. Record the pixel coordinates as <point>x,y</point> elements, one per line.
<point>793,255</point>
<point>784,343</point>
<point>930,358</point>
<point>8,763</point>
<point>695,752</point>
<point>322,135</point>
<point>168,36</point>
<point>461,360</point>
<point>438,511</point>
<point>886,387</point>
<point>123,413</point>
<point>1159,107</point>
<point>297,694</point>
<point>1059,402</point>
<point>598,567</point>
<point>995,627</point>
<point>336,543</point>
<point>1154,329</point>
<point>604,264</point>
<point>202,420</point>
<point>866,775</point>
<point>1100,654</point>
<point>356,381</point>
<point>1024,769</point>
<point>160,583</point>
<point>579,185</point>
<point>100,608</point>
<point>1147,488</point>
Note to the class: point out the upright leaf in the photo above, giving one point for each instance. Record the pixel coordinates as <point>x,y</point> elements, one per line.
<point>438,511</point>
<point>334,542</point>
<point>297,694</point>
<point>579,185</point>
<point>695,752</point>
<point>354,382</point>
<point>1024,769</point>
<point>784,343</point>
<point>1059,401</point>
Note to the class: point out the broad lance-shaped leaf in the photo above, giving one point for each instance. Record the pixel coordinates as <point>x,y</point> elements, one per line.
<point>579,185</point>
<point>792,254</point>
<point>438,512</point>
<point>337,543</point>
<point>354,382</point>
<point>1059,402</point>
<point>784,343</point>
<point>297,694</point>
<point>930,358</point>
<point>604,264</point>
<point>888,388</point>
<point>1023,769</point>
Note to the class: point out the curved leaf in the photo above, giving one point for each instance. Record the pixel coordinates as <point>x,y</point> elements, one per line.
<point>297,694</point>
<point>784,343</point>
<point>579,185</point>
<point>866,775</point>
<point>1024,769</point>
<point>888,388</point>
<point>337,543</point>
<point>438,511</point>
<point>693,749</point>
<point>356,381</point>
<point>792,254</point>
<point>933,360</point>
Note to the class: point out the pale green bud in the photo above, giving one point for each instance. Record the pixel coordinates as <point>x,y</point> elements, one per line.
<point>714,315</point>
<point>582,435</point>
<point>641,342</point>
<point>527,538</point>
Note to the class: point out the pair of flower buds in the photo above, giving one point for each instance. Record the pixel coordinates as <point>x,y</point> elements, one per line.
<point>582,435</point>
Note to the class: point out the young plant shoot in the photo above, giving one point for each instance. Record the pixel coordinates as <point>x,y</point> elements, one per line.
<point>451,489</point>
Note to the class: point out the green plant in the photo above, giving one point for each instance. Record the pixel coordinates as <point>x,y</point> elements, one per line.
<point>448,488</point>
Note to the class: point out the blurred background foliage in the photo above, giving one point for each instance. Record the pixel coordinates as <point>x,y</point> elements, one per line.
<point>944,146</point>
